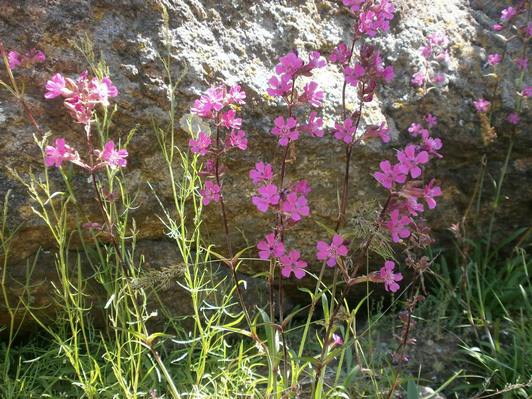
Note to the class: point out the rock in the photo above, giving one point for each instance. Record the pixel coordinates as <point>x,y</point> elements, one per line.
<point>234,42</point>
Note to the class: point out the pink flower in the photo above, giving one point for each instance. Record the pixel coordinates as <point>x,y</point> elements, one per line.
<point>376,18</point>
<point>497,27</point>
<point>482,105</point>
<point>62,152</point>
<point>396,225</point>
<point>114,158</point>
<point>389,175</point>
<point>55,87</point>
<point>431,120</point>
<point>286,131</point>
<point>439,78</point>
<point>211,192</point>
<point>201,144</point>
<point>270,248</point>
<point>296,207</point>
<point>268,196</point>
<point>389,277</point>
<point>522,63</point>
<point>236,95</point>
<point>279,86</point>
<point>302,187</point>
<point>340,54</point>
<point>353,4</point>
<point>103,90</point>
<point>263,172</point>
<point>289,64</point>
<point>411,205</point>
<point>426,51</point>
<point>409,160</point>
<point>527,91</point>
<point>438,39</point>
<point>494,59</point>
<point>330,252</point>
<point>314,127</point>
<point>378,131</point>
<point>337,340</point>
<point>313,94</point>
<point>418,79</point>
<point>353,75</point>
<point>230,121</point>
<point>344,132</point>
<point>315,61</point>
<point>291,263</point>
<point>432,145</point>
<point>210,102</point>
<point>238,139</point>
<point>513,118</point>
<point>14,59</point>
<point>429,192</point>
<point>415,129</point>
<point>508,13</point>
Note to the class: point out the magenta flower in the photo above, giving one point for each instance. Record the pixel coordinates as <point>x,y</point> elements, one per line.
<point>201,144</point>
<point>344,132</point>
<point>429,192</point>
<point>508,13</point>
<point>315,61</point>
<point>237,95</point>
<point>494,59</point>
<point>439,78</point>
<point>377,18</point>
<point>389,277</point>
<point>103,90</point>
<point>482,105</point>
<point>513,118</point>
<point>415,129</point>
<point>527,91</point>
<point>302,187</point>
<point>210,193</point>
<point>314,127</point>
<point>14,59</point>
<point>396,225</point>
<point>409,160</point>
<point>411,205</point>
<point>432,145</point>
<point>286,131</point>
<point>431,120</point>
<point>270,248</point>
<point>426,51</point>
<point>289,64</point>
<point>263,172</point>
<point>230,121</point>
<point>114,158</point>
<point>340,54</point>
<point>330,252</point>
<point>268,196</point>
<point>238,139</point>
<point>55,87</point>
<point>296,207</point>
<point>210,102</point>
<point>279,86</point>
<point>438,39</point>
<point>353,75</point>
<point>353,4</point>
<point>389,175</point>
<point>418,79</point>
<point>378,131</point>
<point>313,94</point>
<point>337,339</point>
<point>497,27</point>
<point>291,263</point>
<point>62,152</point>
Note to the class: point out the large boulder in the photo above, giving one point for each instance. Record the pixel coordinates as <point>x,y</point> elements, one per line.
<point>238,41</point>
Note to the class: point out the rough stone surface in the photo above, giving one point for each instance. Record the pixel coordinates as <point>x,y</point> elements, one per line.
<point>239,41</point>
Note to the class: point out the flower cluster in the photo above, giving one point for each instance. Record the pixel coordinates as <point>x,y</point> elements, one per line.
<point>435,55</point>
<point>30,58</point>
<point>218,106</point>
<point>368,72</point>
<point>403,180</point>
<point>81,95</point>
<point>509,19</point>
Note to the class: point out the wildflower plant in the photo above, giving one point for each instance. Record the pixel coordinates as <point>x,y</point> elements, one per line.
<point>408,192</point>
